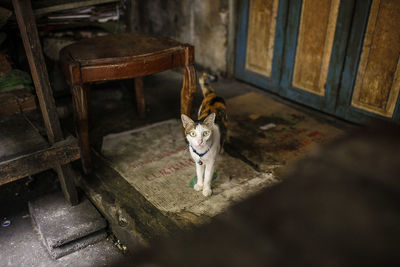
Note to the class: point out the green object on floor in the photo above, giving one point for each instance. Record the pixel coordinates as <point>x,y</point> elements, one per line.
<point>193,181</point>
<point>15,79</point>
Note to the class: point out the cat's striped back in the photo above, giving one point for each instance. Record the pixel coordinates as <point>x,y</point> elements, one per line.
<point>213,104</point>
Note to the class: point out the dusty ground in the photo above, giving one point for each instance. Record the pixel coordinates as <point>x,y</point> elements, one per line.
<point>136,217</point>
<point>132,218</point>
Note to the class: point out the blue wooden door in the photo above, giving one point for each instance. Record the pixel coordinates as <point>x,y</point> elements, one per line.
<point>317,52</point>
<point>315,46</point>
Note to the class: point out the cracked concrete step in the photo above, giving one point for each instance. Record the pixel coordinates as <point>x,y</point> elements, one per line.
<point>64,228</point>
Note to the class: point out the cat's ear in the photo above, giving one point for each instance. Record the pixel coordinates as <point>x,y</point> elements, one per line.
<point>186,121</point>
<point>209,121</point>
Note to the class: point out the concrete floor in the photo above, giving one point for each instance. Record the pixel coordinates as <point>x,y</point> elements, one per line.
<point>113,111</point>
<point>20,246</point>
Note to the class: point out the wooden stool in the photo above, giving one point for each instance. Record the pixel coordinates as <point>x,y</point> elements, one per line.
<point>122,56</point>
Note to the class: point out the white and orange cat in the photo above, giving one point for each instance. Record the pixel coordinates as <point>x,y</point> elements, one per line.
<point>206,135</point>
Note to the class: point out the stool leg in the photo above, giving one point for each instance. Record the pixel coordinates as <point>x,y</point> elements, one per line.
<point>188,91</point>
<point>80,102</point>
<point>141,105</point>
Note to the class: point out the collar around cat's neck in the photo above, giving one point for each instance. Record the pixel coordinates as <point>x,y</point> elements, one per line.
<point>202,154</point>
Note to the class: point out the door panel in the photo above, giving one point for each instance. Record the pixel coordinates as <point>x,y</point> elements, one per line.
<point>314,45</point>
<point>370,80</point>
<point>378,77</point>
<point>261,36</point>
<point>314,54</point>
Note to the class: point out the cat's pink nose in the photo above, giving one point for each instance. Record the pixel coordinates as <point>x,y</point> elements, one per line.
<point>200,142</point>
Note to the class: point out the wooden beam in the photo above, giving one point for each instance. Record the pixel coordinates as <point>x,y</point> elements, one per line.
<point>60,153</point>
<point>66,6</point>
<point>33,50</point>
<point>66,177</point>
<point>19,136</point>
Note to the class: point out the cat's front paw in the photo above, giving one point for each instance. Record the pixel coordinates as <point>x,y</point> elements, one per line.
<point>207,192</point>
<point>198,187</point>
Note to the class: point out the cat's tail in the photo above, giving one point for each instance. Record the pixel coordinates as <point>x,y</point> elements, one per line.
<point>204,81</point>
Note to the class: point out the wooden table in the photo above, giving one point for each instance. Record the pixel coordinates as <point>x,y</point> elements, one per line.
<point>122,56</point>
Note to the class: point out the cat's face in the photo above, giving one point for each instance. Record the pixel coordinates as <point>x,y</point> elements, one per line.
<point>198,133</point>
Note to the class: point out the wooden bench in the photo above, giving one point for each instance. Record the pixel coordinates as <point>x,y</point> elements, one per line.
<point>122,56</point>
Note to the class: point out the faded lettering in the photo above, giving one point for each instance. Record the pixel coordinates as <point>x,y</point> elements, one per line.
<point>169,170</point>
<point>156,158</point>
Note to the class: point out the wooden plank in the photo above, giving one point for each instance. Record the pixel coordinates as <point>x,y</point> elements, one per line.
<point>60,153</point>
<point>33,50</point>
<point>15,102</point>
<point>261,36</point>
<point>314,46</point>
<point>378,77</point>
<point>17,137</point>
<point>70,5</point>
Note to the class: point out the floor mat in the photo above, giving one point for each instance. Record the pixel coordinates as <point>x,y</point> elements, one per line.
<point>156,161</point>
<point>264,135</point>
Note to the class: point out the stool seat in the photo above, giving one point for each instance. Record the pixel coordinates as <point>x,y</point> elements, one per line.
<point>122,56</point>
<point>125,46</point>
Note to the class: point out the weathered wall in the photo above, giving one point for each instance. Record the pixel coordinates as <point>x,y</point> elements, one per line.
<point>202,23</point>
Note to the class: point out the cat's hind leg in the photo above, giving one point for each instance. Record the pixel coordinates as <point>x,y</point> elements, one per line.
<point>200,177</point>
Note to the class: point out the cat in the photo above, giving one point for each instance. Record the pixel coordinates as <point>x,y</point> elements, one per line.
<point>207,135</point>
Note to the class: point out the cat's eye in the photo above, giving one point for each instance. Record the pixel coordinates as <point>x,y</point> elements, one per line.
<point>192,133</point>
<point>206,133</point>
